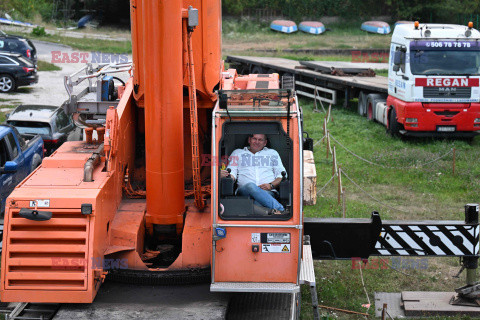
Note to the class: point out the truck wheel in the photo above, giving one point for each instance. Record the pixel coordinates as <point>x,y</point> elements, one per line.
<point>257,70</point>
<point>393,126</point>
<point>7,83</point>
<point>372,100</point>
<point>362,103</point>
<point>36,161</point>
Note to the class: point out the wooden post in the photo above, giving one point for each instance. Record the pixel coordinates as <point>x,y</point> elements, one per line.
<point>325,128</point>
<point>453,161</point>
<point>329,113</point>
<point>344,208</point>
<point>339,183</point>
<point>384,311</point>
<point>334,161</point>
<point>328,143</point>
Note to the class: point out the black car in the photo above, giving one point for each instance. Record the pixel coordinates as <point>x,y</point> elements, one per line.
<point>15,44</point>
<point>16,71</point>
<point>51,122</point>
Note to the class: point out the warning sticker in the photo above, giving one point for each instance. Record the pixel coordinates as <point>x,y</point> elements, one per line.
<point>275,248</point>
<point>40,203</point>
<point>255,237</point>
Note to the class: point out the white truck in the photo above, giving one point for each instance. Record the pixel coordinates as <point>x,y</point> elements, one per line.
<point>433,82</point>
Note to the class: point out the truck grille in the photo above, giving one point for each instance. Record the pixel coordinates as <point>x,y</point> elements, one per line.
<point>452,93</point>
<point>45,255</point>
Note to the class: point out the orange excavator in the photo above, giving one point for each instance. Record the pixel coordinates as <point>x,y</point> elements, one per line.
<point>146,197</point>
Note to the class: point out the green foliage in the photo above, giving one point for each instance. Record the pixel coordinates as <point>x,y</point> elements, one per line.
<point>451,11</point>
<point>28,9</point>
<point>39,32</point>
<point>46,66</point>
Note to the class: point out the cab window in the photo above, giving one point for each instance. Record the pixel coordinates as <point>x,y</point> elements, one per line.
<point>4,153</point>
<point>13,145</point>
<point>235,206</point>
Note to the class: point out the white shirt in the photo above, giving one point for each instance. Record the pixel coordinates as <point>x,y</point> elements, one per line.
<point>259,168</point>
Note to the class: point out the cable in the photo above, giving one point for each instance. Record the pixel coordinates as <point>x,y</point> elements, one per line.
<point>384,204</point>
<point>391,267</point>
<point>319,191</point>
<point>317,142</point>
<point>365,289</point>
<point>388,167</point>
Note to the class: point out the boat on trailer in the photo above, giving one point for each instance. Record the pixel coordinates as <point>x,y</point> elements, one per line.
<point>285,26</point>
<point>312,27</point>
<point>380,27</point>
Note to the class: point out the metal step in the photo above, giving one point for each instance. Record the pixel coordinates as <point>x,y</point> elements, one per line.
<point>307,272</point>
<point>254,287</point>
<point>260,305</point>
<point>30,311</point>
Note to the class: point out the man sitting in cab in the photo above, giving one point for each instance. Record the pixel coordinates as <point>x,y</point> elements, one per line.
<point>258,172</point>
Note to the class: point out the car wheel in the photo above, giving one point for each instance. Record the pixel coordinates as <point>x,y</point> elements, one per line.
<point>7,83</point>
<point>36,161</point>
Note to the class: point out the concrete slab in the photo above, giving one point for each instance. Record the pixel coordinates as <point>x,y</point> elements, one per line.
<point>418,303</point>
<point>125,301</point>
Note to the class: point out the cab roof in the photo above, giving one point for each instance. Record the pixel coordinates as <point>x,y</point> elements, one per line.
<point>407,32</point>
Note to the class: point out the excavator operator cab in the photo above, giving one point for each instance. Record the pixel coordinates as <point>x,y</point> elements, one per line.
<point>235,135</point>
<point>253,249</point>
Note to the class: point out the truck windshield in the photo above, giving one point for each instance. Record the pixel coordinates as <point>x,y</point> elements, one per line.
<point>31,128</point>
<point>445,58</point>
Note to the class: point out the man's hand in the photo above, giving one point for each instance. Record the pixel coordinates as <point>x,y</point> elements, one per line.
<point>265,186</point>
<point>224,173</point>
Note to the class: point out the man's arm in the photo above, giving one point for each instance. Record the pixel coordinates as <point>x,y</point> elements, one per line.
<point>279,168</point>
<point>232,165</point>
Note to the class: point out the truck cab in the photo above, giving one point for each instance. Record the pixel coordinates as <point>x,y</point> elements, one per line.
<point>18,158</point>
<point>433,81</point>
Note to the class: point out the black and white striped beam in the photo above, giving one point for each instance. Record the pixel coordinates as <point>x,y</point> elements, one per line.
<point>427,238</point>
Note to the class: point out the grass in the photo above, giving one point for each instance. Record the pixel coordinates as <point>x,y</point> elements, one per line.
<point>47,66</point>
<point>243,35</point>
<point>84,44</point>
<point>415,192</point>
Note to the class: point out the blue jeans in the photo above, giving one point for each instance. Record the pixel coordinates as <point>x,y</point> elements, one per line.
<point>262,197</point>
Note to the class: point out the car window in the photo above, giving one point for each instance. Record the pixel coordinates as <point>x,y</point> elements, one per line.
<point>29,127</point>
<point>2,44</point>
<point>6,61</point>
<point>12,45</point>
<point>4,154</point>
<point>13,145</point>
<point>21,141</point>
<point>62,120</point>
